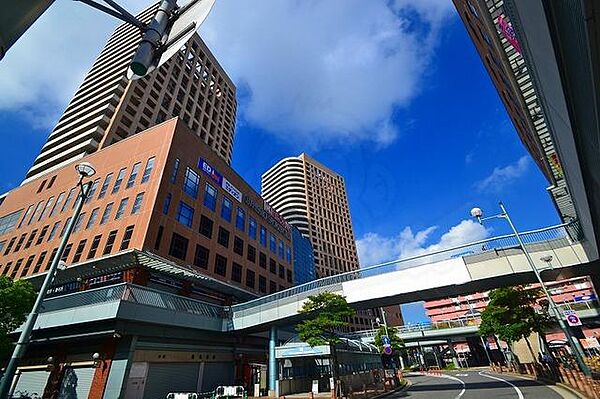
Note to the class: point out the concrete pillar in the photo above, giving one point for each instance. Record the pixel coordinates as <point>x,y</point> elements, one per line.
<point>273,363</point>
<point>453,353</point>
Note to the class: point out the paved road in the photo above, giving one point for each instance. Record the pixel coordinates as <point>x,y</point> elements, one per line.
<point>475,385</point>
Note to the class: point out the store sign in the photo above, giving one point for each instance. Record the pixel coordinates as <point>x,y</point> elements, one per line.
<point>572,318</point>
<point>276,215</point>
<point>509,33</point>
<point>210,171</point>
<point>231,189</point>
<point>283,229</point>
<point>590,343</point>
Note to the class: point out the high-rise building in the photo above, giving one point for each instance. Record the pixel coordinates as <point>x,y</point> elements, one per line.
<point>108,107</point>
<point>304,258</point>
<point>489,25</point>
<point>313,198</point>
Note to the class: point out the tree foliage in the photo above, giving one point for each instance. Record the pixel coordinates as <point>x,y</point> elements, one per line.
<point>395,341</point>
<point>326,314</point>
<point>16,301</point>
<point>511,314</point>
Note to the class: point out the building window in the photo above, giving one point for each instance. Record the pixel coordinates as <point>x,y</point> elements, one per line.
<point>51,259</point>
<point>41,236</point>
<point>250,278</point>
<point>262,260</point>
<point>240,219</point>
<point>79,222</point>
<point>133,175</point>
<point>148,170</point>
<point>288,254</point>
<point>236,272</point>
<point>272,287</point>
<point>210,197</point>
<point>252,227</point>
<point>288,274</point>
<point>272,243</point>
<point>27,265</point>
<point>66,252</point>
<point>126,238</point>
<point>92,191</point>
<point>94,247</point>
<point>27,213</point>
<point>185,214</point>
<point>238,246</point>
<point>46,208</point>
<point>251,256</point>
<point>206,226</point>
<point>179,246</point>
<point>273,266</point>
<point>263,236</point>
<point>158,239</point>
<point>105,185</point>
<point>262,284</point>
<point>191,182</point>
<point>119,180</point>
<point>38,209</point>
<point>79,251</point>
<point>8,222</point>
<point>106,213</point>
<point>40,262</point>
<point>226,209</point>
<point>54,230</point>
<point>16,269</point>
<point>20,242</point>
<point>220,265</point>
<point>57,204</point>
<point>30,239</point>
<point>121,208</point>
<point>110,241</point>
<point>137,204</point>
<point>223,237</point>
<point>280,250</point>
<point>68,200</point>
<point>174,171</point>
<point>281,271</point>
<point>93,217</point>
<point>201,256</point>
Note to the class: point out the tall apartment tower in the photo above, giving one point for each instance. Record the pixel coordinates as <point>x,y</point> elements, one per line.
<point>313,198</point>
<point>108,107</point>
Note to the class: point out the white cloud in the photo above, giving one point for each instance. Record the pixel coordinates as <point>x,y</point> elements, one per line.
<point>502,177</point>
<point>374,249</point>
<point>313,70</point>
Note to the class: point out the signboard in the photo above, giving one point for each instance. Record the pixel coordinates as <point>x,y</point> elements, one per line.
<point>572,318</point>
<point>231,189</point>
<point>509,33</point>
<point>210,171</point>
<point>276,215</point>
<point>387,350</point>
<point>385,340</point>
<point>283,229</point>
<point>301,350</point>
<point>590,343</point>
<point>491,343</point>
<point>585,298</point>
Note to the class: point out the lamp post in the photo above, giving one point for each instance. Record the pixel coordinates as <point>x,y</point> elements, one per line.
<point>573,343</point>
<point>85,170</point>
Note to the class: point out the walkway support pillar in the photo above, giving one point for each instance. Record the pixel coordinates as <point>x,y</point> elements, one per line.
<point>273,364</point>
<point>453,353</point>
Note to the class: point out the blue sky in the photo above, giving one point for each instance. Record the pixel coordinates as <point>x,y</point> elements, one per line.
<point>390,94</point>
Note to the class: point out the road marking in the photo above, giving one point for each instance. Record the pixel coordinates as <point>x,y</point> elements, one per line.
<point>449,377</point>
<point>519,393</point>
<point>462,375</point>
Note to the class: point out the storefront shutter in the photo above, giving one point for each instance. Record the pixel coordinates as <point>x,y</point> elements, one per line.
<point>31,384</point>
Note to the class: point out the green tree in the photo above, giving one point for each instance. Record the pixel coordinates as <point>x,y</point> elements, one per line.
<point>512,315</point>
<point>326,314</point>
<point>16,301</point>
<point>396,342</point>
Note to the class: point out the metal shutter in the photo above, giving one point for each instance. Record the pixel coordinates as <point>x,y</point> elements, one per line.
<point>163,378</point>
<point>31,383</point>
<point>216,374</point>
<point>76,383</point>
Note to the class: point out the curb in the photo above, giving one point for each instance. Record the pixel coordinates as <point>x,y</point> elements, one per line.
<point>558,385</point>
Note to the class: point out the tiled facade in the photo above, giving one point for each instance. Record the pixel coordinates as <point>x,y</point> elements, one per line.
<point>108,107</point>
<point>162,191</point>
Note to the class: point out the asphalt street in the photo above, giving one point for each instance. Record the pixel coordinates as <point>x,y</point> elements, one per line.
<point>475,385</point>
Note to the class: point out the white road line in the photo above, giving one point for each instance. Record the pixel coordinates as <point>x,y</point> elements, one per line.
<point>519,393</point>
<point>449,377</point>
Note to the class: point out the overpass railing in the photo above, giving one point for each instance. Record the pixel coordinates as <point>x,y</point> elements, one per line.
<point>555,236</point>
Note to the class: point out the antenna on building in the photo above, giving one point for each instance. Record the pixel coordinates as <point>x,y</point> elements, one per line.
<point>168,30</point>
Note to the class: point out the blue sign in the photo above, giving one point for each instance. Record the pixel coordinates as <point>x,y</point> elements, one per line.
<point>385,340</point>
<point>210,171</point>
<point>585,298</point>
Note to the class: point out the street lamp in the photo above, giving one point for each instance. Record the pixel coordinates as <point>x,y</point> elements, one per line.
<point>573,343</point>
<point>85,170</point>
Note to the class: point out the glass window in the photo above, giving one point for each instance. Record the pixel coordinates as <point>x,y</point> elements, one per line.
<point>226,209</point>
<point>191,182</point>
<point>273,266</point>
<point>54,230</point>
<point>92,191</point>
<point>272,242</point>
<point>46,208</point>
<point>167,203</point>
<point>281,271</point>
<point>121,208</point>
<point>119,180</point>
<point>68,200</point>
<point>79,251</point>
<point>148,170</point>
<point>252,227</point>
<point>201,257</point>
<point>240,219</point>
<point>262,284</point>
<point>79,222</point>
<point>62,232</point>
<point>220,265</point>
<point>288,275</point>
<point>110,241</point>
<point>206,226</point>
<point>41,237</point>
<point>250,278</point>
<point>92,219</point>
<point>272,287</point>
<point>185,214</point>
<point>238,246</point>
<point>210,197</point>
<point>288,254</point>
<point>37,211</point>
<point>158,239</point>
<point>105,185</point>
<point>40,262</point>
<point>263,236</point>
<point>106,213</point>
<point>27,213</point>
<point>66,252</point>
<point>133,175</point>
<point>179,246</point>
<point>30,239</point>
<point>262,260</point>
<point>20,242</point>
<point>8,222</point>
<point>280,250</point>
<point>94,247</point>
<point>58,203</point>
<point>236,272</point>
<point>251,256</point>
<point>223,237</point>
<point>137,203</point>
<point>126,238</point>
<point>174,171</point>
